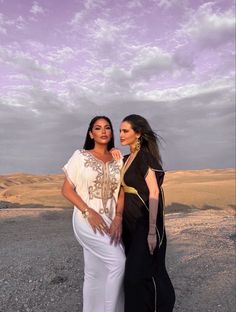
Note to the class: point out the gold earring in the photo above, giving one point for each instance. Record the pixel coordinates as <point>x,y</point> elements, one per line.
<point>137,145</point>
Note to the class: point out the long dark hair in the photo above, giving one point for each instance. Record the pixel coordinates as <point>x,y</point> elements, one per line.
<point>149,140</point>
<point>89,143</point>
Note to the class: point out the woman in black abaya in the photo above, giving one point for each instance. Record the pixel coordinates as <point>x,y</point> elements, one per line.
<point>147,285</point>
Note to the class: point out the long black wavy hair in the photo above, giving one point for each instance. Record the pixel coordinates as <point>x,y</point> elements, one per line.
<point>149,140</point>
<point>89,143</point>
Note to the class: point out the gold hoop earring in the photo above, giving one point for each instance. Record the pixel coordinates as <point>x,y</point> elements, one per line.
<point>137,145</point>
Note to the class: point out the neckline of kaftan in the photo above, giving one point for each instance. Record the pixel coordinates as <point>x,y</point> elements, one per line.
<point>99,160</point>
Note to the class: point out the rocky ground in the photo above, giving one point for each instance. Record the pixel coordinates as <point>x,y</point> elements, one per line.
<point>41,264</point>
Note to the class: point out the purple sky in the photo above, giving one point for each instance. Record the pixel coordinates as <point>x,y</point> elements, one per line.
<point>62,62</point>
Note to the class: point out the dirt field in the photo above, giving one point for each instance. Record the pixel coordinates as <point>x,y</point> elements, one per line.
<point>41,267</point>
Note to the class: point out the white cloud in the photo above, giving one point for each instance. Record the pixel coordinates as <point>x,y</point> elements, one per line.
<point>165,4</point>
<point>215,86</point>
<point>34,46</point>
<point>77,19</point>
<point>184,56</point>
<point>209,28</point>
<point>6,23</point>
<point>192,117</point>
<point>134,4</point>
<point>93,4</point>
<point>61,55</point>
<point>52,88</point>
<point>20,23</point>
<point>147,63</point>
<point>108,38</point>
<point>168,4</point>
<point>36,9</point>
<point>151,61</point>
<point>3,29</point>
<point>105,31</point>
<point>26,64</point>
<point>16,78</point>
<point>87,12</point>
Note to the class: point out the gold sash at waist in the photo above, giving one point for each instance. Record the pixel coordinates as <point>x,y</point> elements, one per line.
<point>132,190</point>
<point>129,189</point>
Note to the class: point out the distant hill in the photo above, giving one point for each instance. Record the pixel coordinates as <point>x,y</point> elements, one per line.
<point>184,190</point>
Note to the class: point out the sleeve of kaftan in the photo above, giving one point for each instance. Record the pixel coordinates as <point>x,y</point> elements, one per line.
<point>71,168</point>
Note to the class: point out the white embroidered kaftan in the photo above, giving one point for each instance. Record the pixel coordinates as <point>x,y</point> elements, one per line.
<point>96,182</point>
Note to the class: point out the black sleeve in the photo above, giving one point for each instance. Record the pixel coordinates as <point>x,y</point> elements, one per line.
<point>148,161</point>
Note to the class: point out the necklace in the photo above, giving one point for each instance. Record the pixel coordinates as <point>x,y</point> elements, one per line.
<point>101,154</point>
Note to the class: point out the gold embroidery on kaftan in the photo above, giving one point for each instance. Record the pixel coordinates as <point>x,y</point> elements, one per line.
<point>106,182</point>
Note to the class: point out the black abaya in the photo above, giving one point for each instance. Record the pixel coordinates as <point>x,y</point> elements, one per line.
<point>147,285</point>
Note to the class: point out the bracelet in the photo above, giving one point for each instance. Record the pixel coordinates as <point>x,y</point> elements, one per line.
<point>85,213</point>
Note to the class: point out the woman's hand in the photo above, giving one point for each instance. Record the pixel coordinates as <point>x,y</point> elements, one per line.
<point>97,223</point>
<point>116,230</point>
<point>116,153</point>
<point>152,242</point>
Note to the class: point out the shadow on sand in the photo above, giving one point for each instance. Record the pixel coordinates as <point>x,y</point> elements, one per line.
<point>6,204</point>
<point>179,207</point>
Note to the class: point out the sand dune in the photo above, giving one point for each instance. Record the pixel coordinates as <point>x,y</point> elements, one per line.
<point>192,189</point>
<point>202,189</point>
<point>20,190</point>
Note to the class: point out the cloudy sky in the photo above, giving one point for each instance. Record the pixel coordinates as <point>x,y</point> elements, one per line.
<point>62,62</point>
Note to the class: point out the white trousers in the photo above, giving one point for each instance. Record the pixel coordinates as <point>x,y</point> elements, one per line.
<point>104,266</point>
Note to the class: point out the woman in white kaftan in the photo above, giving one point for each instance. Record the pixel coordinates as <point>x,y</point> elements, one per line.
<point>96,182</point>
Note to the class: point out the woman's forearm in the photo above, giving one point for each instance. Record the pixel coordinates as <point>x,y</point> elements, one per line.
<point>153,210</point>
<point>69,193</point>
<point>120,203</point>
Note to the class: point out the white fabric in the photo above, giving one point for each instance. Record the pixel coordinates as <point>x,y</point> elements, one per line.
<point>103,269</point>
<point>98,185</point>
<point>95,182</point>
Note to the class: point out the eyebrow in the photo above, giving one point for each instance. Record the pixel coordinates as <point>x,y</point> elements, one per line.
<point>107,125</point>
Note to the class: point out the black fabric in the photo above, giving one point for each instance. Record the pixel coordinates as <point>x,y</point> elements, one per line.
<point>135,177</point>
<point>143,270</point>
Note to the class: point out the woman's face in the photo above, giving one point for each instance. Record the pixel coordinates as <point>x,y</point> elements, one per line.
<point>101,132</point>
<point>127,135</point>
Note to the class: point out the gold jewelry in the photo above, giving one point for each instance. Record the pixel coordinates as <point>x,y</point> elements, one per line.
<point>85,213</point>
<point>100,226</point>
<point>137,145</point>
<point>101,210</point>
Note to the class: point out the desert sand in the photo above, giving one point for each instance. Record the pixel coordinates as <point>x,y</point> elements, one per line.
<point>41,267</point>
